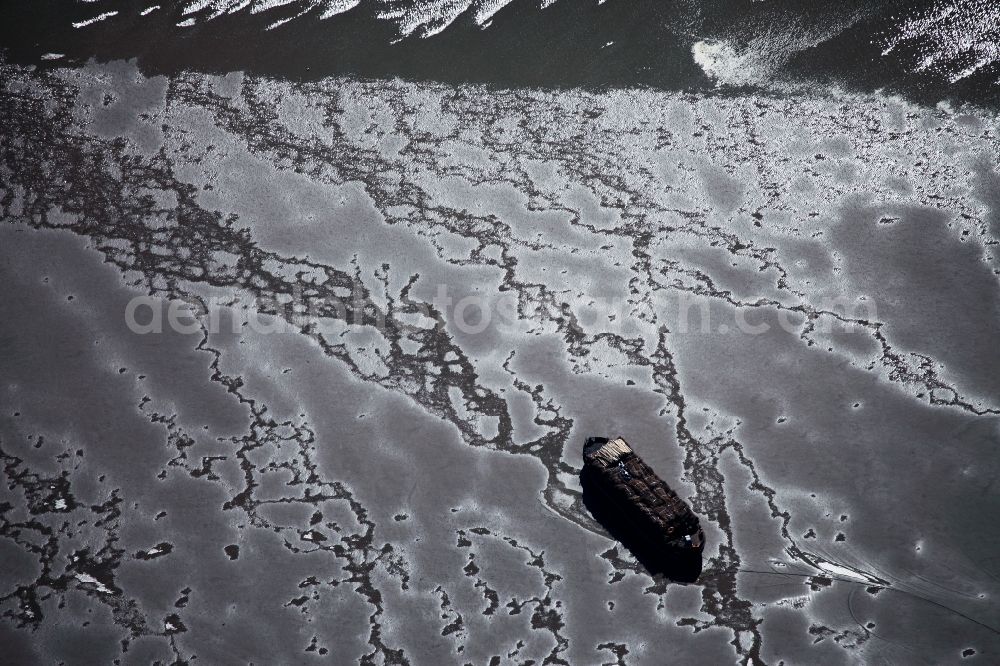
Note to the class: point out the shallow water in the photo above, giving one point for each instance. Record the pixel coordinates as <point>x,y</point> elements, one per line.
<point>928,50</point>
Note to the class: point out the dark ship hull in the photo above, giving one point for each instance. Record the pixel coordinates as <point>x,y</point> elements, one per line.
<point>641,498</point>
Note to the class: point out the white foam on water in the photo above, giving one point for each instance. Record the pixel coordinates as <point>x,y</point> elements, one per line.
<point>424,18</point>
<point>485,10</point>
<point>195,6</point>
<point>277,24</point>
<point>338,7</point>
<point>953,40</point>
<point>99,17</point>
<point>720,61</point>
<point>265,5</point>
<point>430,17</point>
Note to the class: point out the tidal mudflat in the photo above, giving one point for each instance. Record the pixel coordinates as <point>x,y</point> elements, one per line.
<point>299,370</point>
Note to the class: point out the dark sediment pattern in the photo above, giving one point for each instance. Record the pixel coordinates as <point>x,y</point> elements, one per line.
<point>372,481</point>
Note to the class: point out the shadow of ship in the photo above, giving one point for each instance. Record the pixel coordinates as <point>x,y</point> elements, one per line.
<point>677,565</point>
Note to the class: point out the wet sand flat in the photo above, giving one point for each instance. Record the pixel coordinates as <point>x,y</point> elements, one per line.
<point>302,370</point>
